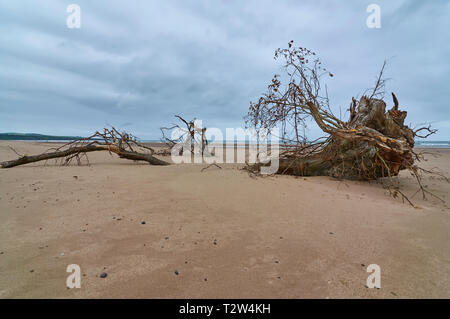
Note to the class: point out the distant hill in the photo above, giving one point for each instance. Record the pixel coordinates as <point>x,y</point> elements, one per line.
<point>34,137</point>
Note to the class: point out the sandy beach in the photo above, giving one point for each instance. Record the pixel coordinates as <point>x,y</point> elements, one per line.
<point>219,233</point>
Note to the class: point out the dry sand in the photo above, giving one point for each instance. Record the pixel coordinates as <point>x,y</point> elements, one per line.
<point>226,234</point>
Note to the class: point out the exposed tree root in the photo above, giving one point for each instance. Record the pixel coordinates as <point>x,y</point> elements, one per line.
<point>373,143</point>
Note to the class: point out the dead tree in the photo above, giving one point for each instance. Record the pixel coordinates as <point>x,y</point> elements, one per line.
<point>189,135</point>
<point>372,143</point>
<point>123,144</point>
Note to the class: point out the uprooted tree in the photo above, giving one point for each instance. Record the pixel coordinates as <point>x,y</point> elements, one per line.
<point>371,144</point>
<point>123,144</point>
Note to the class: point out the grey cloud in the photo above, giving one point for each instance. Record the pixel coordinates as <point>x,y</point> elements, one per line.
<point>137,63</point>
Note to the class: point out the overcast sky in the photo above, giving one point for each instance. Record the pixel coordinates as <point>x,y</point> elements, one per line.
<point>135,64</point>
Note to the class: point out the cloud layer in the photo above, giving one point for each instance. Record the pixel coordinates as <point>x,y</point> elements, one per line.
<point>134,64</point>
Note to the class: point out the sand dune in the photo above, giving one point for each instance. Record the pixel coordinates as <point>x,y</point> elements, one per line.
<point>215,234</point>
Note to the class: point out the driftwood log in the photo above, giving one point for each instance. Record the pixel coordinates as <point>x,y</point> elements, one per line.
<point>111,140</point>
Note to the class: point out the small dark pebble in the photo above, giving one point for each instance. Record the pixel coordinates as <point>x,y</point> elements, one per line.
<point>206,279</point>
<point>279,277</point>
<point>276,261</point>
<point>32,270</point>
<point>363,265</point>
<point>166,238</point>
<point>393,293</point>
<point>143,222</point>
<point>103,275</point>
<point>1,252</point>
<point>176,272</point>
<point>331,233</point>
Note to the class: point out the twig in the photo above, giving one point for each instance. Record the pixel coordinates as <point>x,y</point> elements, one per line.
<point>210,165</point>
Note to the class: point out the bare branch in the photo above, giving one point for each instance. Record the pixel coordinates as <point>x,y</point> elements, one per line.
<point>428,129</point>
<point>121,143</point>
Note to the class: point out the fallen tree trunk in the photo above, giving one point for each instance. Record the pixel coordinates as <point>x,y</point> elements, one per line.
<point>113,142</point>
<point>84,149</point>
